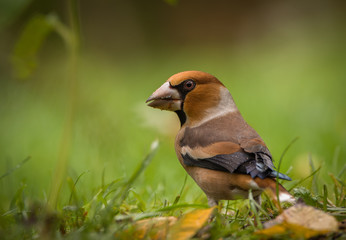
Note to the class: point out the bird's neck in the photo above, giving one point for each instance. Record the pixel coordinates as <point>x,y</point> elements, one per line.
<point>224,106</point>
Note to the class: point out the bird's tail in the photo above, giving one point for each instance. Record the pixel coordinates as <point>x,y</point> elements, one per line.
<point>270,184</point>
<point>275,174</point>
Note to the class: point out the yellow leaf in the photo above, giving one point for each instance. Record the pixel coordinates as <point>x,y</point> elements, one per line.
<point>300,221</point>
<point>305,232</point>
<point>189,224</point>
<point>293,230</point>
<point>153,228</point>
<point>274,230</point>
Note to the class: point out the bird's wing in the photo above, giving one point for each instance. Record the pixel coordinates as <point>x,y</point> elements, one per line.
<point>247,157</point>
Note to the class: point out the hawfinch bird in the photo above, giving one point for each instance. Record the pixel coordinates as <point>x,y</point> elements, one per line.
<point>219,150</point>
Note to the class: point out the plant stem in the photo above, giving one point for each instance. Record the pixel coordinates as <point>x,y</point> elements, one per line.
<point>65,143</point>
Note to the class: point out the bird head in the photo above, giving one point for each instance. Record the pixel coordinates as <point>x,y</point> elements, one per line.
<point>194,96</point>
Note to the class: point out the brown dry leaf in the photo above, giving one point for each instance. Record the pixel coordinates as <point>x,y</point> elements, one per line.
<point>301,221</point>
<point>189,224</point>
<point>154,228</point>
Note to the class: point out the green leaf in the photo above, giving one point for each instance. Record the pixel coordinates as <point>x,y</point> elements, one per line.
<point>24,57</point>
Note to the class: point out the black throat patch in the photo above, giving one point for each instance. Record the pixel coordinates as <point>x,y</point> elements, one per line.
<point>182,116</point>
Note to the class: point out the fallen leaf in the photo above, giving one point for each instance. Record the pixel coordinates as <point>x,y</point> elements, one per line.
<point>152,228</point>
<point>300,221</point>
<point>189,224</point>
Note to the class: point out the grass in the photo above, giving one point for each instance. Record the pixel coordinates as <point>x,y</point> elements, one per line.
<point>108,187</point>
<point>116,207</point>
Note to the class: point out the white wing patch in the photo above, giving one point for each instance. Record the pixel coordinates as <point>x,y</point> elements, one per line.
<point>196,153</point>
<point>284,197</point>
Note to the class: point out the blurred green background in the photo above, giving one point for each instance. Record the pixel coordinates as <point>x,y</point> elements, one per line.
<point>283,61</point>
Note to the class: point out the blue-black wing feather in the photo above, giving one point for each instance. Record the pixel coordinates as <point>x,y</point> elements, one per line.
<point>253,164</point>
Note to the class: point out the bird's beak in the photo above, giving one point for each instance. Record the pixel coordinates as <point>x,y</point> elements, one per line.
<point>165,98</point>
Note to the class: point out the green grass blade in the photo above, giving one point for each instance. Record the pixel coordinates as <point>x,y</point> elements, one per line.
<point>254,209</point>
<point>336,192</point>
<point>281,158</point>
<point>19,165</point>
<point>225,215</point>
<point>335,158</point>
<point>178,206</point>
<point>314,178</point>
<point>73,189</point>
<point>325,197</point>
<point>302,180</point>
<point>342,171</point>
<point>181,191</point>
<point>144,164</point>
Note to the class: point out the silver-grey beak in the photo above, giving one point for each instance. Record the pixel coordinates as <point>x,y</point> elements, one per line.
<point>165,98</point>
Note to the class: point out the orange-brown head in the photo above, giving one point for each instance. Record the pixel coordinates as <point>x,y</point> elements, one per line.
<point>194,95</point>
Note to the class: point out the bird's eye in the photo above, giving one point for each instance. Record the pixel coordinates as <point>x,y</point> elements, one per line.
<point>189,85</point>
